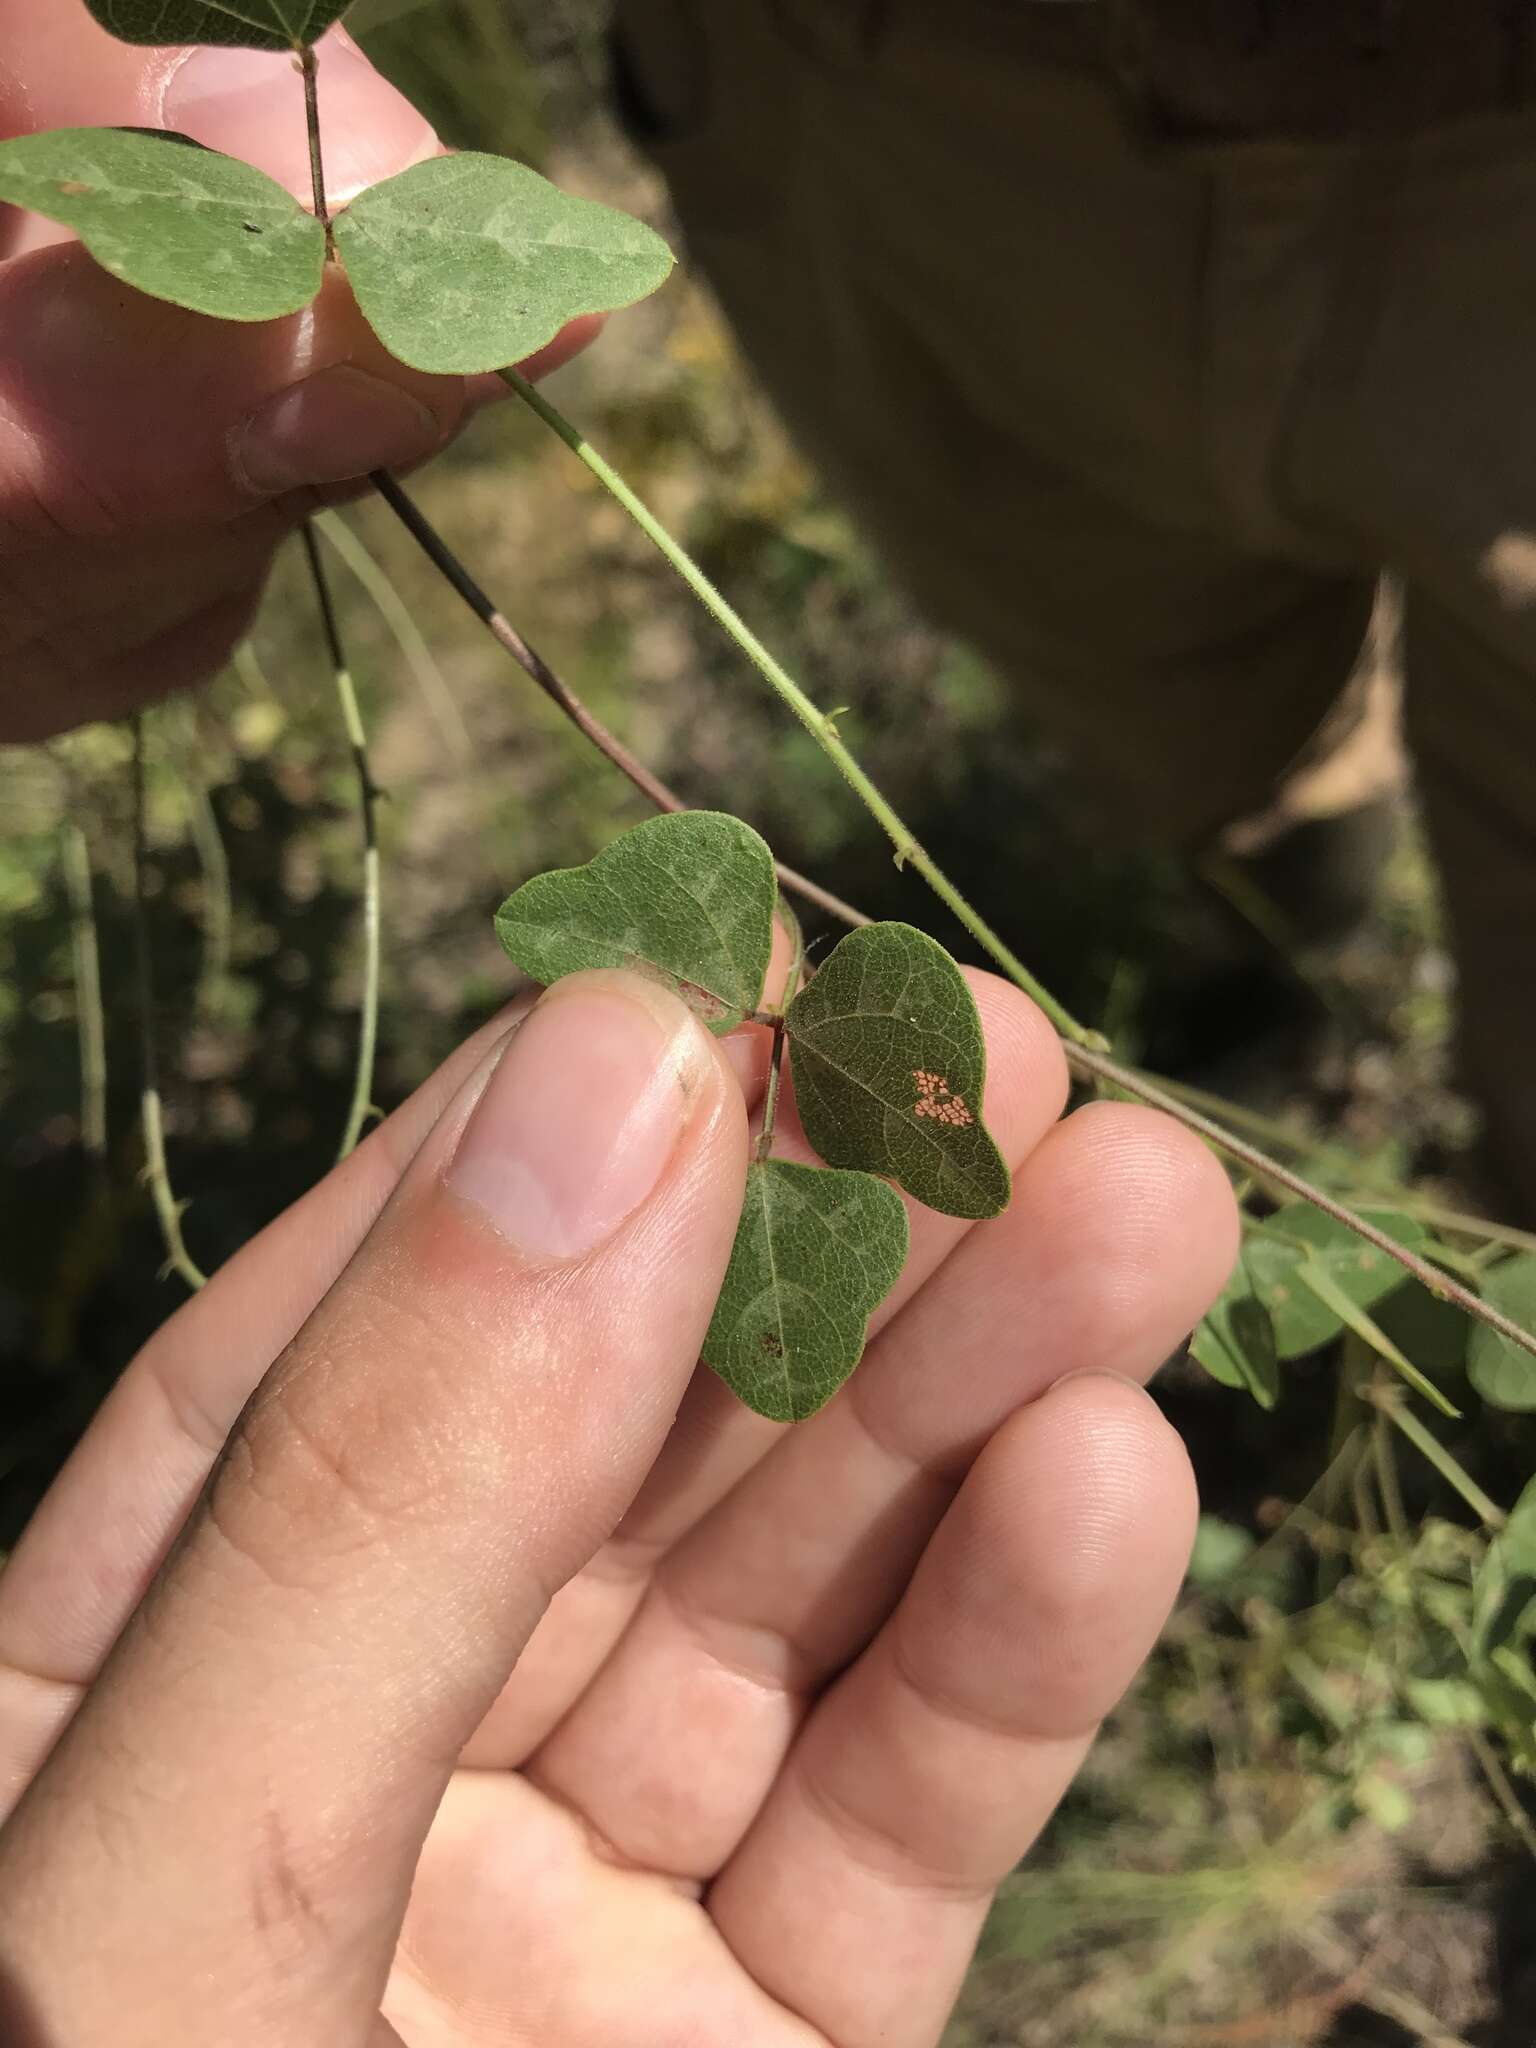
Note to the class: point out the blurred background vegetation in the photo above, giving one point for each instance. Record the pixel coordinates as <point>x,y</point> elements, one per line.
<point>1298,1830</point>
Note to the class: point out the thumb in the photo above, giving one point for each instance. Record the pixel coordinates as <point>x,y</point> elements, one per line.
<point>60,69</point>
<point>93,376</point>
<point>450,1437</point>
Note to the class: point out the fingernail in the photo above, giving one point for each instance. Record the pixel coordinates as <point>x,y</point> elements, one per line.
<point>582,1114</point>
<point>250,104</point>
<point>338,424</point>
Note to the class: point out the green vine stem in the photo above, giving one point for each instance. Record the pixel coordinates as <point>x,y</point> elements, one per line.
<point>89,1020</point>
<point>156,1172</point>
<point>1096,1066</point>
<point>367,798</point>
<point>218,910</point>
<point>559,692</point>
<point>1087,1062</point>
<point>407,635</point>
<point>821,728</point>
<point>1388,1401</point>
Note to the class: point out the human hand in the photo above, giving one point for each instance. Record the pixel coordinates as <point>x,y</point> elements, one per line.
<point>151,459</point>
<point>480,1700</point>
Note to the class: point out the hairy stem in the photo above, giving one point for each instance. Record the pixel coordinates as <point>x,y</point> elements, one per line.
<point>367,799</point>
<point>309,66</point>
<point>90,1023</point>
<point>156,1171</point>
<point>559,692</point>
<point>821,728</point>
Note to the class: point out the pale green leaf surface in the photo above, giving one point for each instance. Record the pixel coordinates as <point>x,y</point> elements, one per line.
<point>1502,1373</point>
<point>1236,1341</point>
<point>170,219</point>
<point>687,899</point>
<point>889,1065</point>
<point>1276,1248</point>
<point>816,1252</point>
<point>249,24</point>
<point>471,262</point>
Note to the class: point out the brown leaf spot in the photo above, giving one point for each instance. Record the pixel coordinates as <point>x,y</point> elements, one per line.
<point>935,1100</point>
<point>772,1343</point>
<point>71,188</point>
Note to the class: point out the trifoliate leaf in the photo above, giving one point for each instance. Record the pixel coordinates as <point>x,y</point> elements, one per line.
<point>471,262</point>
<point>687,898</point>
<point>889,1063</point>
<point>250,24</point>
<point>1274,1250</point>
<point>816,1253</point>
<point>171,219</point>
<point>1502,1373</point>
<point>1236,1342</point>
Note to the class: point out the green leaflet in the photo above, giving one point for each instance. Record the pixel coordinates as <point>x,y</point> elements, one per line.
<point>1275,1248</point>
<point>472,262</point>
<point>1504,1627</point>
<point>688,898</point>
<point>1502,1373</point>
<point>816,1252</point>
<point>252,24</point>
<point>171,219</point>
<point>1236,1341</point>
<point>889,1065</point>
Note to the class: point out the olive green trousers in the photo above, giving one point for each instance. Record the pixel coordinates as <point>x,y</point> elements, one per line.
<point>1142,348</point>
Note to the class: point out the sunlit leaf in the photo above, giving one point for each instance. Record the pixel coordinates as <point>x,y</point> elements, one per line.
<point>1276,1248</point>
<point>1502,1373</point>
<point>170,219</point>
<point>252,24</point>
<point>688,899</point>
<point>1236,1341</point>
<point>889,1064</point>
<point>816,1253</point>
<point>471,262</point>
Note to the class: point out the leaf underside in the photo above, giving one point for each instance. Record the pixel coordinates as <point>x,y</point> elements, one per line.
<point>816,1252</point>
<point>173,220</point>
<point>1236,1341</point>
<point>687,899</point>
<point>471,262</point>
<point>1273,1253</point>
<point>1502,1373</point>
<point>889,1065</point>
<point>248,24</point>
